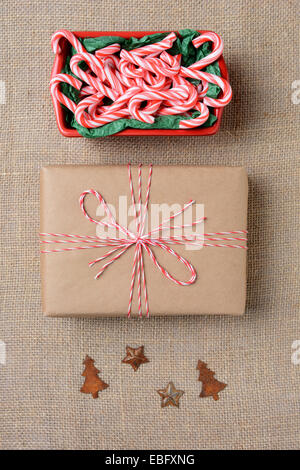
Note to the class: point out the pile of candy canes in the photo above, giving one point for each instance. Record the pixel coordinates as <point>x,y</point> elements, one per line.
<point>148,74</point>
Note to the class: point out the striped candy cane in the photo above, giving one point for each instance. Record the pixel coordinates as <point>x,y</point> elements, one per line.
<point>95,66</point>
<point>208,77</point>
<point>134,103</point>
<point>217,50</point>
<point>86,120</point>
<point>63,33</point>
<point>107,51</point>
<point>178,106</point>
<point>58,95</point>
<point>158,47</point>
<point>154,65</point>
<point>190,123</point>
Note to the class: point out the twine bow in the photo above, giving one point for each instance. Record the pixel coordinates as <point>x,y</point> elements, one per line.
<point>139,240</point>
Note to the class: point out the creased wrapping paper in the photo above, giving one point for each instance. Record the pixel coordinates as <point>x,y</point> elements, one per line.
<point>68,284</point>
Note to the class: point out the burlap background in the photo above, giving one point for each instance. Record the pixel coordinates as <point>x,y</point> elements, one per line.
<point>41,406</point>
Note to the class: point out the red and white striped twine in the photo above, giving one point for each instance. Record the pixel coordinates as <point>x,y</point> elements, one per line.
<point>140,240</point>
<point>131,78</point>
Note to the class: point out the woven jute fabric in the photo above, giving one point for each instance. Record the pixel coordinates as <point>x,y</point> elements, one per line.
<point>41,405</point>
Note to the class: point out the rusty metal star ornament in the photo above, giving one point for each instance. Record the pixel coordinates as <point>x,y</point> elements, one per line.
<point>135,357</point>
<point>170,396</point>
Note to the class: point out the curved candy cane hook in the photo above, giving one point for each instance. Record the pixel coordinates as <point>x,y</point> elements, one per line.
<point>63,33</point>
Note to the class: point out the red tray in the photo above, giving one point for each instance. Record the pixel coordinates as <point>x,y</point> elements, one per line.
<point>67,131</point>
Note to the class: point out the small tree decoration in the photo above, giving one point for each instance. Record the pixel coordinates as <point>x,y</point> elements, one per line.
<point>210,385</point>
<point>92,384</point>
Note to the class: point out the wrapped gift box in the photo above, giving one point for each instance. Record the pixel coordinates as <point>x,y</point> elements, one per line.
<point>68,284</point>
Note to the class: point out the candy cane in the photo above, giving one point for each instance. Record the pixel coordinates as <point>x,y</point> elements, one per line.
<point>166,43</point>
<point>56,93</point>
<point>208,77</point>
<point>135,102</point>
<point>154,65</point>
<point>95,82</point>
<point>151,83</point>
<point>180,106</point>
<point>121,102</point>
<point>115,83</point>
<point>91,122</point>
<point>95,65</point>
<point>202,89</point>
<point>129,70</point>
<point>217,49</point>
<point>107,51</point>
<point>63,33</point>
<point>198,121</point>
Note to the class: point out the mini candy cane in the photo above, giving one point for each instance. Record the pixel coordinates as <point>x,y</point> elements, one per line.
<point>109,70</point>
<point>196,122</point>
<point>134,103</point>
<point>139,241</point>
<point>181,106</point>
<point>105,118</point>
<point>96,115</point>
<point>217,50</point>
<point>63,33</point>
<point>157,47</point>
<point>55,91</point>
<point>120,103</point>
<point>128,69</point>
<point>107,51</point>
<point>202,89</point>
<point>154,65</point>
<point>117,112</point>
<point>208,77</point>
<point>95,65</point>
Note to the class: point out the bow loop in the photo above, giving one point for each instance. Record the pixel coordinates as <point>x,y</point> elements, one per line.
<point>112,221</point>
<point>189,266</point>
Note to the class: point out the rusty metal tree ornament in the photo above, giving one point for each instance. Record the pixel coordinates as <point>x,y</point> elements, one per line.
<point>92,384</point>
<point>210,385</point>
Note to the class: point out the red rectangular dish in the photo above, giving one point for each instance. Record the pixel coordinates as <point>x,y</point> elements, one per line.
<point>67,131</point>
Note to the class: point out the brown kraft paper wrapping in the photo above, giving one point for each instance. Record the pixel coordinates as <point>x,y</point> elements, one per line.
<point>68,284</point>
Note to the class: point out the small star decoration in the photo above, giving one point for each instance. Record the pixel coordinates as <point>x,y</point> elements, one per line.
<point>170,396</point>
<point>135,357</point>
